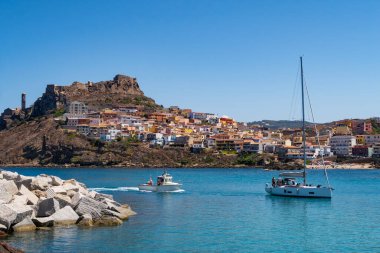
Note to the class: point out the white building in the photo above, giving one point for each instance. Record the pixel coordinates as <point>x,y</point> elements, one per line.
<point>341,145</point>
<point>376,151</point>
<point>372,139</point>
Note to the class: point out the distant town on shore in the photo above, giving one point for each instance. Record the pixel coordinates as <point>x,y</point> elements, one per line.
<point>107,123</point>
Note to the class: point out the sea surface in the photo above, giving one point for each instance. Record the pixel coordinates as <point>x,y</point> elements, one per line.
<point>220,210</point>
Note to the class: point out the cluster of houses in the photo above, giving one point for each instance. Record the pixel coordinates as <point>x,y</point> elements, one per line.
<point>175,127</point>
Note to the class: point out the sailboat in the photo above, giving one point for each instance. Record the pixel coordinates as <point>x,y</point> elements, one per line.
<point>289,183</point>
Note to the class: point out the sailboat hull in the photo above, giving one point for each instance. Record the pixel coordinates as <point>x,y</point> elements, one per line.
<point>299,191</point>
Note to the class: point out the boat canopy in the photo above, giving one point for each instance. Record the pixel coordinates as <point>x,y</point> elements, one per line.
<point>292,174</point>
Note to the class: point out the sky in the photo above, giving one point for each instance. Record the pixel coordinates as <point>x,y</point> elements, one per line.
<point>235,58</point>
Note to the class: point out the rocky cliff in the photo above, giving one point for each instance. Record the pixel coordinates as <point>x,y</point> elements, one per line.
<point>106,93</point>
<point>122,90</point>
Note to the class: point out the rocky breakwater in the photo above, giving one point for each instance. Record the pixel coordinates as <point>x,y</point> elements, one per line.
<point>30,203</point>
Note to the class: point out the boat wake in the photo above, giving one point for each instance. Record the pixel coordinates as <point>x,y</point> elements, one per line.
<point>180,190</point>
<point>120,189</point>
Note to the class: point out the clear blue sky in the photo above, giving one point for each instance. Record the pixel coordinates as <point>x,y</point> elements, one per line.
<point>238,58</point>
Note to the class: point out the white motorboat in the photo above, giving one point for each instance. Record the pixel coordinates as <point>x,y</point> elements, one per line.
<point>286,184</point>
<point>164,184</point>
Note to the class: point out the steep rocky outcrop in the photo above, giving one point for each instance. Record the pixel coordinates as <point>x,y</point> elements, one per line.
<point>121,90</point>
<point>93,94</point>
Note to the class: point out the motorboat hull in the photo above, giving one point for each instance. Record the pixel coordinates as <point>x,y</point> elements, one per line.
<point>160,188</point>
<point>299,191</point>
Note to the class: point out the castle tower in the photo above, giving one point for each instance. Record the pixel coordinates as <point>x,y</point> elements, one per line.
<point>23,101</point>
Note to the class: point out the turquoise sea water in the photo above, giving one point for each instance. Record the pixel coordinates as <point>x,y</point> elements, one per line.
<point>221,210</point>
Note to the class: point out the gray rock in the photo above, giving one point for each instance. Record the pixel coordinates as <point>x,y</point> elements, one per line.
<point>32,198</point>
<point>108,221</point>
<point>86,220</point>
<point>75,199</point>
<point>59,190</point>
<point>69,186</point>
<point>5,197</point>
<point>90,206</point>
<point>47,207</point>
<point>20,199</point>
<point>24,225</point>
<point>65,216</point>
<point>56,181</point>
<point>40,183</point>
<point>7,216</point>
<point>22,211</point>
<point>122,212</point>
<point>44,222</point>
<point>71,193</point>
<point>101,197</point>
<point>49,193</point>
<point>26,181</point>
<point>9,175</point>
<point>63,200</point>
<point>8,186</point>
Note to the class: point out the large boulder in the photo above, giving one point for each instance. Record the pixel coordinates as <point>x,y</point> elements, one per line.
<point>9,175</point>
<point>86,220</point>
<point>90,206</point>
<point>121,211</point>
<point>7,189</point>
<point>24,180</point>
<point>63,200</point>
<point>56,181</point>
<point>108,221</point>
<point>59,190</point>
<point>41,182</point>
<point>7,216</point>
<point>22,211</point>
<point>24,225</point>
<point>76,198</point>
<point>101,197</point>
<point>50,193</point>
<point>43,222</point>
<point>47,207</point>
<point>65,216</point>
<point>32,198</point>
<point>20,199</point>
<point>71,185</point>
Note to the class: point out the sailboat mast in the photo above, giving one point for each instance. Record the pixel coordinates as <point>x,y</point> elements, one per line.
<point>303,126</point>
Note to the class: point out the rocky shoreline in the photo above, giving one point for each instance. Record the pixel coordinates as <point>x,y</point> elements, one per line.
<point>41,202</point>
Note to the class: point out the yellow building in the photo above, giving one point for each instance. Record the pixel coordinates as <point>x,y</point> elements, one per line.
<point>360,139</point>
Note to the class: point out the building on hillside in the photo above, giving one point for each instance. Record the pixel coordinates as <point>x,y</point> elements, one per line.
<point>253,147</point>
<point>362,127</point>
<point>199,115</point>
<point>127,109</point>
<point>362,151</point>
<point>342,129</point>
<point>77,108</point>
<point>229,144</point>
<point>376,151</point>
<point>341,145</point>
<point>372,139</point>
<point>292,152</point>
<point>360,140</point>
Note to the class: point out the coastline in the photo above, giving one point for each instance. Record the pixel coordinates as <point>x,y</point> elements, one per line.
<point>342,166</point>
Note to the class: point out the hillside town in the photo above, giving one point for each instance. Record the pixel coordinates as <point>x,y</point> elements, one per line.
<point>199,131</point>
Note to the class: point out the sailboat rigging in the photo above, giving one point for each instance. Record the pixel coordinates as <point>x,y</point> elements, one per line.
<point>286,184</point>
